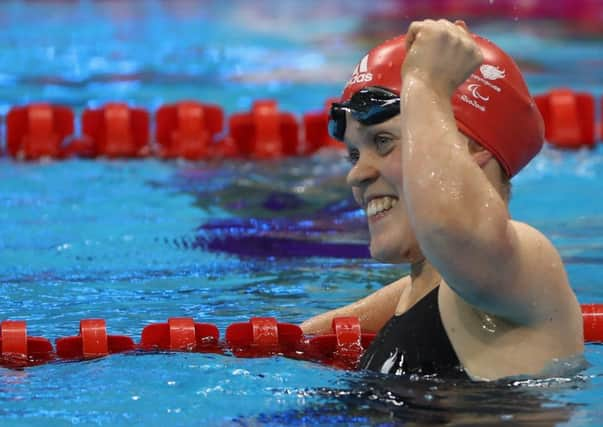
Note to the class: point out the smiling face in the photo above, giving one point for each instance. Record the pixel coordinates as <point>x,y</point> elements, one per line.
<point>376,181</point>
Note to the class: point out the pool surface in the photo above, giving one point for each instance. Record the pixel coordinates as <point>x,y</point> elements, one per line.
<point>136,242</point>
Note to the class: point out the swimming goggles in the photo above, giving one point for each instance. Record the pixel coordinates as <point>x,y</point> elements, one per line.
<point>369,106</point>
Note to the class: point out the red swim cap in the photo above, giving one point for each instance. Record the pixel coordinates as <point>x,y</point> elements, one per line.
<point>493,106</point>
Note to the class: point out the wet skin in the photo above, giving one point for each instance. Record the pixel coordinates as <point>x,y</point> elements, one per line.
<point>504,296</point>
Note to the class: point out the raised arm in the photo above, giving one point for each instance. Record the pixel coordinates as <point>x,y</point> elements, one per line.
<point>460,220</point>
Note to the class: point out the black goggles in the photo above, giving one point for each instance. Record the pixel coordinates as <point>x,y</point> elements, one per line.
<point>369,106</point>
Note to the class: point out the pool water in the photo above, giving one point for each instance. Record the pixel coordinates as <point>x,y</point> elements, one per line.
<point>139,241</point>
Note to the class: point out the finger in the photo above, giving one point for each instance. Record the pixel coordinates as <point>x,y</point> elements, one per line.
<point>458,27</point>
<point>462,24</point>
<point>452,29</point>
<point>411,34</point>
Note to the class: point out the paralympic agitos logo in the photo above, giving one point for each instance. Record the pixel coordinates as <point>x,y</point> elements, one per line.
<point>361,74</point>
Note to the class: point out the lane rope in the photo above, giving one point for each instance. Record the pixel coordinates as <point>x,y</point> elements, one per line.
<point>259,337</point>
<point>197,131</point>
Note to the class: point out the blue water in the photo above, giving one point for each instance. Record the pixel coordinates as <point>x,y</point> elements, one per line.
<point>129,241</point>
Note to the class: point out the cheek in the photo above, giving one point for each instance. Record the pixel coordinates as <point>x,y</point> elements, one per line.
<point>392,171</point>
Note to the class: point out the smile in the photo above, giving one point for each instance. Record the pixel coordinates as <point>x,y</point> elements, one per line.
<point>380,205</point>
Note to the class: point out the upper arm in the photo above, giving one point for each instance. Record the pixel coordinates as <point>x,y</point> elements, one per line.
<point>521,279</point>
<point>373,311</point>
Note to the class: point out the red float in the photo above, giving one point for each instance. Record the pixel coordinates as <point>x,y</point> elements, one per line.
<point>37,130</point>
<point>19,350</point>
<point>180,334</point>
<point>569,118</point>
<point>92,342</point>
<point>263,336</point>
<point>593,322</point>
<point>343,347</point>
<point>265,132</point>
<point>187,129</point>
<point>117,130</point>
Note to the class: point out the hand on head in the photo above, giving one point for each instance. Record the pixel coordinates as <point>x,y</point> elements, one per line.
<point>440,53</point>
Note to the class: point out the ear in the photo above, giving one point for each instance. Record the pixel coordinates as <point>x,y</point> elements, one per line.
<point>482,157</point>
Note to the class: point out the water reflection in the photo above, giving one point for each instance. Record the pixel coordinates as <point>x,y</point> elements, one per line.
<point>385,400</point>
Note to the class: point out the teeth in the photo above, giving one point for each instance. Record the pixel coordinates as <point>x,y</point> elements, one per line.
<point>380,204</point>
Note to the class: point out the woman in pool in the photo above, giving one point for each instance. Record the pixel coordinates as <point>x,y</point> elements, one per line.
<point>436,123</point>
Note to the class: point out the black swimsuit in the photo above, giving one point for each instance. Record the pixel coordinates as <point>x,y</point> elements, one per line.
<point>413,342</point>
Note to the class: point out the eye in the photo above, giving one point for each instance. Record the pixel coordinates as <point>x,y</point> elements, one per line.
<point>383,143</point>
<point>353,155</point>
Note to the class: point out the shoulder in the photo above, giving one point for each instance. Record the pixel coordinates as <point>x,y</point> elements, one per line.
<point>541,285</point>
<point>400,283</point>
<point>528,231</point>
<point>539,259</point>
<point>391,290</point>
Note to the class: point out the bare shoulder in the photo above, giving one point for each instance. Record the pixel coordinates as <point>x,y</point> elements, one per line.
<point>387,295</point>
<point>399,284</point>
<point>542,285</point>
<point>538,320</point>
<point>540,261</point>
<point>377,308</point>
<point>373,311</point>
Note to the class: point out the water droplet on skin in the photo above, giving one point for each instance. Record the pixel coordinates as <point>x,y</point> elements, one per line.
<point>488,323</point>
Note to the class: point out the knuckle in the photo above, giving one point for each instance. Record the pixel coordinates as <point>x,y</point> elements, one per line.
<point>477,52</point>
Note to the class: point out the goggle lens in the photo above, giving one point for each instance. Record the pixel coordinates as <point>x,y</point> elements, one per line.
<point>369,106</point>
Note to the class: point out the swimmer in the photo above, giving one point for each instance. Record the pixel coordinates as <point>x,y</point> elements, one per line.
<point>436,122</point>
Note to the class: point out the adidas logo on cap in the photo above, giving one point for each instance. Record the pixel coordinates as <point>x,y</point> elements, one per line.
<point>361,74</point>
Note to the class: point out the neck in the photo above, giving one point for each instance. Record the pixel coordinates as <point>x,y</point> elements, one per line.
<point>416,268</point>
<point>424,277</point>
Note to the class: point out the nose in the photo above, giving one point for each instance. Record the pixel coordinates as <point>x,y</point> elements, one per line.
<point>362,173</point>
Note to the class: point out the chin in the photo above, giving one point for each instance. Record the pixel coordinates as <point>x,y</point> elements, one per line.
<point>391,250</point>
<point>387,255</point>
